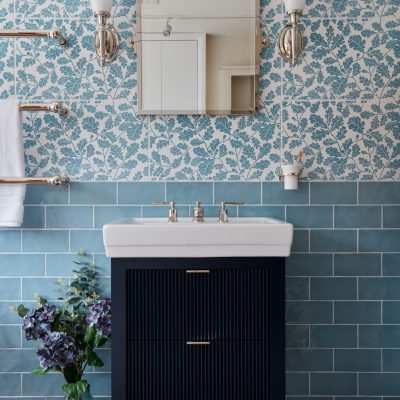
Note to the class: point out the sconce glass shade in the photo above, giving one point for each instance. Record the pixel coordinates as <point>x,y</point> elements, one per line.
<point>292,5</point>
<point>101,5</point>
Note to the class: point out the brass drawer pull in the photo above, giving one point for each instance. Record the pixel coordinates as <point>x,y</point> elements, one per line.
<point>197,271</point>
<point>201,343</point>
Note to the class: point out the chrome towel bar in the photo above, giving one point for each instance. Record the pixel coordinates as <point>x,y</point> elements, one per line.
<point>59,180</point>
<point>57,108</point>
<point>54,33</point>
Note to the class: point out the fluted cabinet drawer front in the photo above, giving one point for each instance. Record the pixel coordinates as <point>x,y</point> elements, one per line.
<point>188,305</point>
<point>223,370</point>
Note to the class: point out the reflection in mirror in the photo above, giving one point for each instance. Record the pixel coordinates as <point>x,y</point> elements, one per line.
<point>198,57</point>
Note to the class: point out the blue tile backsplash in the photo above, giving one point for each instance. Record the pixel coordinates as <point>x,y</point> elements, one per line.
<point>339,104</point>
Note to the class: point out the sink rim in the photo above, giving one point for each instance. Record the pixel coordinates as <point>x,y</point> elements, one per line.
<point>187,221</point>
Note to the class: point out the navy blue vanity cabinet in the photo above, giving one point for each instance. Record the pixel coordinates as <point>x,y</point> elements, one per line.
<point>198,329</point>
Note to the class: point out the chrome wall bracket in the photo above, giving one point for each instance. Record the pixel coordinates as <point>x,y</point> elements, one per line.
<point>290,42</point>
<point>106,39</point>
<point>54,33</point>
<point>57,35</point>
<point>59,180</point>
<point>54,107</point>
<point>283,174</point>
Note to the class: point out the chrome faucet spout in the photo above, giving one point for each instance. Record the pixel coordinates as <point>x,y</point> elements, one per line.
<point>172,212</point>
<point>223,212</point>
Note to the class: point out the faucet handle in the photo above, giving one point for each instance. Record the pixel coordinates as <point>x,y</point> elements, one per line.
<point>231,203</point>
<point>198,212</point>
<point>172,212</point>
<point>223,212</point>
<point>164,203</point>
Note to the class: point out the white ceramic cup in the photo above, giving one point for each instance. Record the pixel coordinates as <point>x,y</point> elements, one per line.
<point>291,174</point>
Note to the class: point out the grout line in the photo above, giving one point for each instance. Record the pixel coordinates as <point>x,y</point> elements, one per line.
<point>117,194</point>
<point>358,241</point>
<point>358,187</point>
<point>358,384</point>
<point>333,216</point>
<point>358,336</point>
<point>357,282</point>
<point>213,192</point>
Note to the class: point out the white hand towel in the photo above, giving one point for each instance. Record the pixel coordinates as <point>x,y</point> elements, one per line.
<point>11,164</point>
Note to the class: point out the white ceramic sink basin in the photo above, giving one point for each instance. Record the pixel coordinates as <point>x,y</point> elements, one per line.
<point>240,237</point>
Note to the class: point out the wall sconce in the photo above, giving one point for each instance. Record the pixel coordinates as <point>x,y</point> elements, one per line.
<point>290,41</point>
<point>106,40</point>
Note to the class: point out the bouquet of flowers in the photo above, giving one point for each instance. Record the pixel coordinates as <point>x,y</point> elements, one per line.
<point>70,332</point>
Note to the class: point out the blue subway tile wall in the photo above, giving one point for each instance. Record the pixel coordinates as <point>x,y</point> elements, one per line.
<point>339,104</point>
<point>342,292</point>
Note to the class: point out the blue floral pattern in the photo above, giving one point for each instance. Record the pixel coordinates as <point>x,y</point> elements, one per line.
<point>344,140</point>
<point>347,60</point>
<point>7,9</point>
<point>98,141</point>
<point>352,8</point>
<point>68,8</point>
<point>7,80</point>
<point>221,148</point>
<point>339,103</point>
<point>46,71</point>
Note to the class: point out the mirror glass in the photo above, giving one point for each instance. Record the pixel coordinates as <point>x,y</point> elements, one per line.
<point>198,56</point>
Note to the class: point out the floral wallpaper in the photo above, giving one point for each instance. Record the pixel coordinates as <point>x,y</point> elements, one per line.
<point>340,104</point>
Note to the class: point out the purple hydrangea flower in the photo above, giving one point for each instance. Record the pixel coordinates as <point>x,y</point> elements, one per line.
<point>58,350</point>
<point>99,316</point>
<point>36,323</point>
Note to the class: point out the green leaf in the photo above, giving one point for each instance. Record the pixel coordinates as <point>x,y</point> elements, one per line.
<point>93,359</point>
<point>90,336</point>
<point>42,301</point>
<point>22,310</point>
<point>87,395</point>
<point>101,341</point>
<point>75,390</point>
<point>39,371</point>
<point>74,300</point>
<point>71,373</point>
